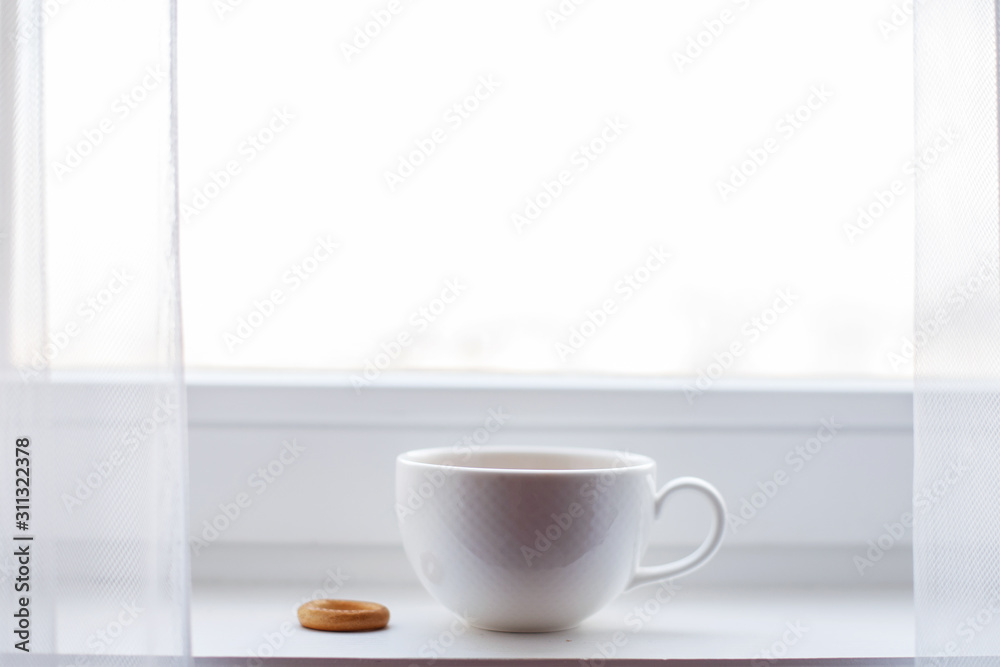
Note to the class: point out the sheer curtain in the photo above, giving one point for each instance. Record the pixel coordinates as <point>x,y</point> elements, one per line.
<point>957,336</point>
<point>93,502</point>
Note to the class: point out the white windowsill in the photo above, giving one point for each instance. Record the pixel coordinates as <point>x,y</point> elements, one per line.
<point>698,624</point>
<point>794,563</point>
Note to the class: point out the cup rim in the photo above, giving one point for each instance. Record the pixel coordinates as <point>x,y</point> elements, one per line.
<point>636,462</point>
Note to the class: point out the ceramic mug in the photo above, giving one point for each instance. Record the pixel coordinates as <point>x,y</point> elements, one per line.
<point>530,539</point>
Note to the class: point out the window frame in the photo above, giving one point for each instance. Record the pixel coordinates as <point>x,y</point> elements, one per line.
<point>236,416</point>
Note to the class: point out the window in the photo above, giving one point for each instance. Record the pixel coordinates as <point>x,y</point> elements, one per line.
<point>545,190</point>
<point>642,188</point>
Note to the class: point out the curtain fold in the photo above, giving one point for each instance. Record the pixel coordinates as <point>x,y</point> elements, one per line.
<point>93,495</point>
<point>957,336</point>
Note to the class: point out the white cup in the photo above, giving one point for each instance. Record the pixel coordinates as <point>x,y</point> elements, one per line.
<point>530,539</point>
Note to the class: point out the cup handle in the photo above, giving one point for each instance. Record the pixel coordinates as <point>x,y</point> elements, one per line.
<point>651,574</point>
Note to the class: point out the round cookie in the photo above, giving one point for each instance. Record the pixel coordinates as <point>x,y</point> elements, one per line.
<point>343,615</point>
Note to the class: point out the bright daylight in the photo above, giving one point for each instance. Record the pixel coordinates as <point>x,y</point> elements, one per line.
<point>569,332</point>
